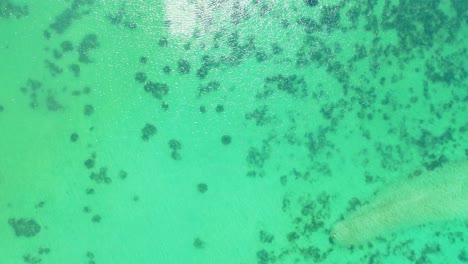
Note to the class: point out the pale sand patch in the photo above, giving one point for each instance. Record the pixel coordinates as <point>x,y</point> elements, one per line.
<point>434,196</point>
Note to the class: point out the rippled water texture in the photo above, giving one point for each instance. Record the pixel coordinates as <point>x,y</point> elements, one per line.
<point>233,131</point>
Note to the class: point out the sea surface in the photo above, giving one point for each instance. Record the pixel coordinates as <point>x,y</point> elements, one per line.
<point>228,131</point>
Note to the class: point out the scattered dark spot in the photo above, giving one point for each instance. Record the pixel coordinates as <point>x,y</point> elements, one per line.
<point>226,139</point>
<point>54,69</point>
<point>353,203</point>
<point>88,110</point>
<point>130,25</point>
<point>163,42</point>
<point>117,17</point>
<point>276,49</point>
<point>89,163</point>
<point>261,56</point>
<point>257,157</point>
<point>43,251</point>
<point>219,108</point>
<point>88,43</point>
<point>40,205</point>
<point>64,20</point>
<point>463,256</point>
<point>266,237</point>
<point>284,180</point>
<point>202,109</point>
<point>202,72</point>
<point>260,115</point>
<point>210,87</point>
<point>57,54</point>
<point>167,69</point>
<point>436,163</point>
<point>96,218</point>
<point>202,187</point>
<point>100,176</point>
<point>86,90</point>
<point>311,2</point>
<point>292,236</point>
<point>74,137</point>
<point>31,259</point>
<point>330,17</point>
<point>52,104</point>
<point>265,257</point>
<point>158,90</point>
<point>285,23</point>
<point>198,243</point>
<point>251,174</point>
<point>292,84</point>
<point>164,106</point>
<point>8,9</point>
<point>183,66</point>
<point>24,227</point>
<point>75,69</point>
<point>123,174</point>
<point>140,77</point>
<point>66,46</point>
<point>175,155</point>
<point>148,131</point>
<point>175,144</point>
<point>46,34</point>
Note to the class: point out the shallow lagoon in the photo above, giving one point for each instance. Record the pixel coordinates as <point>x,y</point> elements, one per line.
<point>224,131</point>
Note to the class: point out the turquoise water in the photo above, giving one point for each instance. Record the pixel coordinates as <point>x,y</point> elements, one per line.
<point>226,131</point>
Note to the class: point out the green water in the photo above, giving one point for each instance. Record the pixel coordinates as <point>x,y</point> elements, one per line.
<point>224,131</point>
